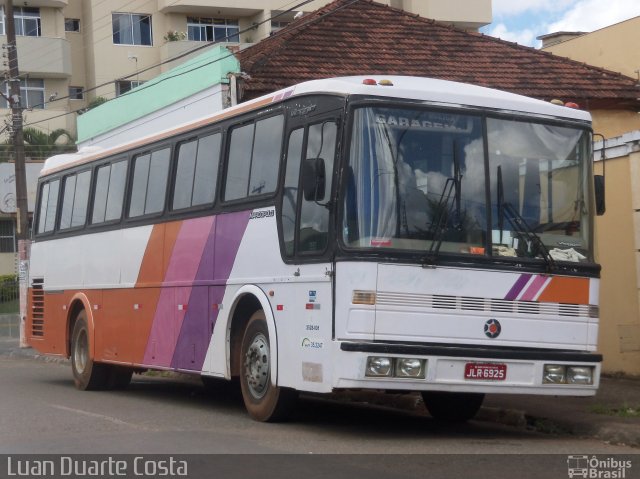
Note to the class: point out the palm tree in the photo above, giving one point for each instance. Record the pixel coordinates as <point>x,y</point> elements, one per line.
<point>39,145</point>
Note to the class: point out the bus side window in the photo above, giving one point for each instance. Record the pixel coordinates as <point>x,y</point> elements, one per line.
<point>109,192</point>
<point>290,193</point>
<point>150,174</point>
<point>48,206</point>
<point>254,159</point>
<point>196,172</point>
<point>74,200</point>
<point>266,156</point>
<point>314,215</point>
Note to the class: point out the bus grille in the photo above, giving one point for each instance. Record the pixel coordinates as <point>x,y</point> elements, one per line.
<point>467,303</point>
<point>37,308</point>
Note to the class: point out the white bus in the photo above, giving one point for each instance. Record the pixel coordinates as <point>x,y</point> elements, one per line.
<point>394,233</point>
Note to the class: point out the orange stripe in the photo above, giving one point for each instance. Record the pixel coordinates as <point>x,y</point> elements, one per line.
<point>152,272</point>
<point>566,290</point>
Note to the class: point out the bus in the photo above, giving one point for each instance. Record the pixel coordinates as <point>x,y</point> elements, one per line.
<point>357,233</point>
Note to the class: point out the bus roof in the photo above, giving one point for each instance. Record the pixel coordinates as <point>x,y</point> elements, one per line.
<point>433,91</point>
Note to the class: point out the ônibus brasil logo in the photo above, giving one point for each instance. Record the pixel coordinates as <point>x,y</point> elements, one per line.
<point>492,328</point>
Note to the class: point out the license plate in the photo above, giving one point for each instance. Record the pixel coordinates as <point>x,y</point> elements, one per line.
<point>485,371</point>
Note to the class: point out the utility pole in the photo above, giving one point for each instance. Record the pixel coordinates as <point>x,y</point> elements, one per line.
<point>22,207</point>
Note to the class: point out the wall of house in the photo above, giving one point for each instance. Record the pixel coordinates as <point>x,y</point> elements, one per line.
<point>617,249</point>
<point>612,123</point>
<point>608,48</point>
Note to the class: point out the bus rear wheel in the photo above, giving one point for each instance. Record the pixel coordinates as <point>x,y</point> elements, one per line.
<point>452,407</point>
<point>87,375</point>
<point>264,401</point>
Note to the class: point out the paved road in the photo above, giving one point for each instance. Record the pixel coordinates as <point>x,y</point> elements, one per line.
<point>41,412</point>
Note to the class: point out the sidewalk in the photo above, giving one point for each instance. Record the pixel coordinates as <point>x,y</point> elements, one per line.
<point>613,415</point>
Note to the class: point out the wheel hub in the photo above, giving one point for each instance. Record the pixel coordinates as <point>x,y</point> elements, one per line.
<point>256,366</point>
<point>80,352</point>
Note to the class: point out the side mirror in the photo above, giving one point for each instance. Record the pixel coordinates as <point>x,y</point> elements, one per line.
<point>313,179</point>
<point>598,184</point>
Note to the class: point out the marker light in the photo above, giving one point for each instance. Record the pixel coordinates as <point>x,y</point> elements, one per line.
<point>557,102</point>
<point>363,297</point>
<point>369,81</point>
<point>573,105</point>
<point>385,83</point>
<point>379,366</point>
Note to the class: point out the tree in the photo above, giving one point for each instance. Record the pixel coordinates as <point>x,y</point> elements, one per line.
<point>39,145</point>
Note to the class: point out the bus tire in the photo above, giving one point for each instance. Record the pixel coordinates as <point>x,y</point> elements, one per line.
<point>452,407</point>
<point>87,374</point>
<point>263,401</point>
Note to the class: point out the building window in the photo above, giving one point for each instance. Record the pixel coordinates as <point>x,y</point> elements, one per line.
<point>132,29</point>
<point>7,236</point>
<point>210,29</point>
<point>71,25</point>
<point>76,93</point>
<point>27,21</point>
<point>276,26</point>
<point>31,94</point>
<point>123,86</point>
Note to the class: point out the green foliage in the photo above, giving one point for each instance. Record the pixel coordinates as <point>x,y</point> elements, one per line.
<point>9,288</point>
<point>97,101</point>
<point>40,145</point>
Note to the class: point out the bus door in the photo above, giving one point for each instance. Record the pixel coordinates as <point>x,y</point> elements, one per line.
<point>306,231</point>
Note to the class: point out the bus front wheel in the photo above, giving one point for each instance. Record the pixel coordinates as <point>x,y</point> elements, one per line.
<point>452,407</point>
<point>87,375</point>
<point>263,400</point>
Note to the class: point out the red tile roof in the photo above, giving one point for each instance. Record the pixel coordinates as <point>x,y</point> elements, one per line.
<point>356,37</point>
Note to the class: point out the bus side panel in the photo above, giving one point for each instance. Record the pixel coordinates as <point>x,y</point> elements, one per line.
<point>300,299</point>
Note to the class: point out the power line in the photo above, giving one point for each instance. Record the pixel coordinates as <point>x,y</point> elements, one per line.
<point>210,62</point>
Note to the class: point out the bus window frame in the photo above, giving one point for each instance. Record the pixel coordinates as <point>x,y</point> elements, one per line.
<point>110,161</point>
<point>63,178</point>
<point>244,120</point>
<point>167,143</point>
<point>179,140</point>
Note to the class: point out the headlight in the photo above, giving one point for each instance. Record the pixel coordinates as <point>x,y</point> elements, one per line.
<point>554,374</point>
<point>579,375</point>
<point>410,368</point>
<point>379,366</point>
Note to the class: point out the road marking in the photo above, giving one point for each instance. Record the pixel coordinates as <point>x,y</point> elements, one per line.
<point>111,419</point>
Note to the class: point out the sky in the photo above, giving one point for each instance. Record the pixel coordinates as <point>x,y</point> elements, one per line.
<point>522,21</point>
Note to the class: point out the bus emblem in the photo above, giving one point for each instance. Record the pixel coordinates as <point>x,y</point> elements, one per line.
<point>492,328</point>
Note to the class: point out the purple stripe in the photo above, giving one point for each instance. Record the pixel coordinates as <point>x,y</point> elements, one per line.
<point>216,264</point>
<point>518,287</point>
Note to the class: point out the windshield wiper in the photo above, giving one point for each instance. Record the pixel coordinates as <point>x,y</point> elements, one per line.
<point>520,225</point>
<point>444,210</point>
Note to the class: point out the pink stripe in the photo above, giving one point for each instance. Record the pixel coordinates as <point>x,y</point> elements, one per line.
<point>533,289</point>
<point>183,266</point>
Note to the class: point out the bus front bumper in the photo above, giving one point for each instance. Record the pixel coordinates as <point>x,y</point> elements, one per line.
<point>461,368</point>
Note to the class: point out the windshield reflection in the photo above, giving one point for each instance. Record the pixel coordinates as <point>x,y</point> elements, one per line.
<point>416,181</point>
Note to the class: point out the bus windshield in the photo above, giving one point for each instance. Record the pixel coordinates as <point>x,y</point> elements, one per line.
<point>417,177</point>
